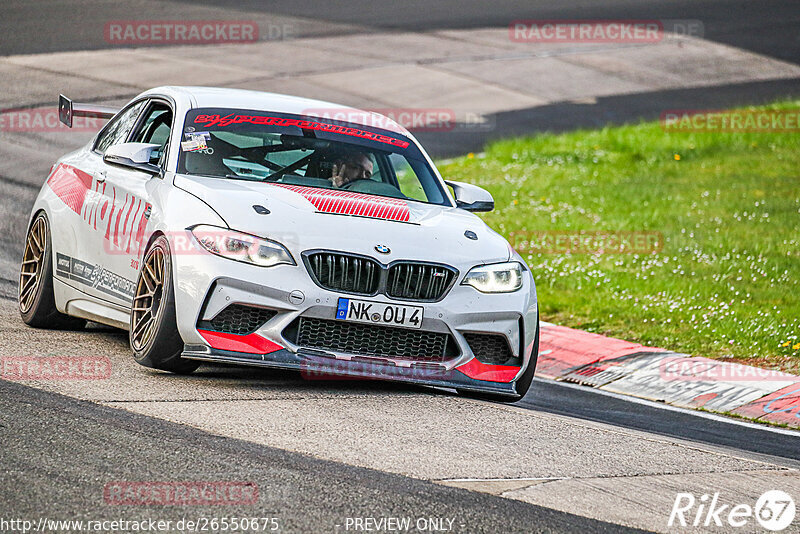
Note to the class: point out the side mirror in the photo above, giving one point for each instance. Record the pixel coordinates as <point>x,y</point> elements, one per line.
<point>133,156</point>
<point>471,197</point>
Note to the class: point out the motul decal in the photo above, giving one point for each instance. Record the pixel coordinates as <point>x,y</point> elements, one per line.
<point>122,217</point>
<point>217,120</point>
<point>359,204</point>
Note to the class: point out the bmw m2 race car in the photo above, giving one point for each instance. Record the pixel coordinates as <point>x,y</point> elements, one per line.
<point>229,226</point>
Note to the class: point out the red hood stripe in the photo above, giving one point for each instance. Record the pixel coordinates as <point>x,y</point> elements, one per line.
<point>348,203</point>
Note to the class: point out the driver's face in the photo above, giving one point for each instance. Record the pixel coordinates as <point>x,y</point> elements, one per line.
<point>359,167</point>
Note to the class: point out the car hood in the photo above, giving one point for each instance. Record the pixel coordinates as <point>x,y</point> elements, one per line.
<point>304,218</point>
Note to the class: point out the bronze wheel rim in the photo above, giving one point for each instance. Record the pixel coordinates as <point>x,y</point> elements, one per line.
<point>30,273</point>
<point>147,299</point>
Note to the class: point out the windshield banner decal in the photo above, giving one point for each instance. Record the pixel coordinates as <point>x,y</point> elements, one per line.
<point>209,121</point>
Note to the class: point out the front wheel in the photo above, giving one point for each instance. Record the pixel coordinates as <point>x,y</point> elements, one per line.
<point>154,336</point>
<point>523,383</point>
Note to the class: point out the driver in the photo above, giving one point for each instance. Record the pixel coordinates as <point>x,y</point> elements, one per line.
<point>349,167</point>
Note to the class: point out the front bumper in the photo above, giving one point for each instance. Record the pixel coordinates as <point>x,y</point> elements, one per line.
<point>206,285</point>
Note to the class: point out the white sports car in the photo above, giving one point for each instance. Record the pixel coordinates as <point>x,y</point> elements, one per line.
<point>241,227</point>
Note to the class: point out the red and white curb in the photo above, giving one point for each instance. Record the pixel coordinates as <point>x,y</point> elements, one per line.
<point>656,374</point>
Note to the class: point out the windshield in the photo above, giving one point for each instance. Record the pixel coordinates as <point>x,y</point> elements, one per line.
<point>237,144</point>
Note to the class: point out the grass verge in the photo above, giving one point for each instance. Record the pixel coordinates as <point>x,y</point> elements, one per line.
<point>725,283</point>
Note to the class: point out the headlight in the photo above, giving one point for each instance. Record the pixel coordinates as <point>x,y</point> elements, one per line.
<point>241,247</point>
<point>496,278</point>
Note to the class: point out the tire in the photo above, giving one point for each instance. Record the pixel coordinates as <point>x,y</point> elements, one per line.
<point>523,383</point>
<point>153,334</point>
<point>36,299</point>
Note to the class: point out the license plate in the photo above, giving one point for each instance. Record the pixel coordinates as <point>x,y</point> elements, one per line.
<point>383,313</point>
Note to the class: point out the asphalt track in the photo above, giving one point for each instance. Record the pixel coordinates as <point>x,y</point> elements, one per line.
<point>58,450</point>
<point>587,403</point>
<point>321,452</point>
<point>768,27</point>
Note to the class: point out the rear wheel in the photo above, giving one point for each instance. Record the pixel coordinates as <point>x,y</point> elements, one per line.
<point>37,301</point>
<point>154,335</point>
<point>523,383</point>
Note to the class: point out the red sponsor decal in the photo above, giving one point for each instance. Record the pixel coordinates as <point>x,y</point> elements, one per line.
<point>194,493</point>
<point>586,31</point>
<point>121,218</point>
<point>216,120</point>
<point>488,373</point>
<point>124,32</point>
<point>70,185</point>
<point>347,203</point>
<point>55,368</point>
<point>250,343</point>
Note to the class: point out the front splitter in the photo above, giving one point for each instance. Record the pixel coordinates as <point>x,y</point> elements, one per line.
<point>314,366</point>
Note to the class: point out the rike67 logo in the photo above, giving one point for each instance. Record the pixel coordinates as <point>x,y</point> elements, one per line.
<point>774,511</point>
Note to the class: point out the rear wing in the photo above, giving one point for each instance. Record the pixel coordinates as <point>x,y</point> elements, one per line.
<point>68,109</point>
